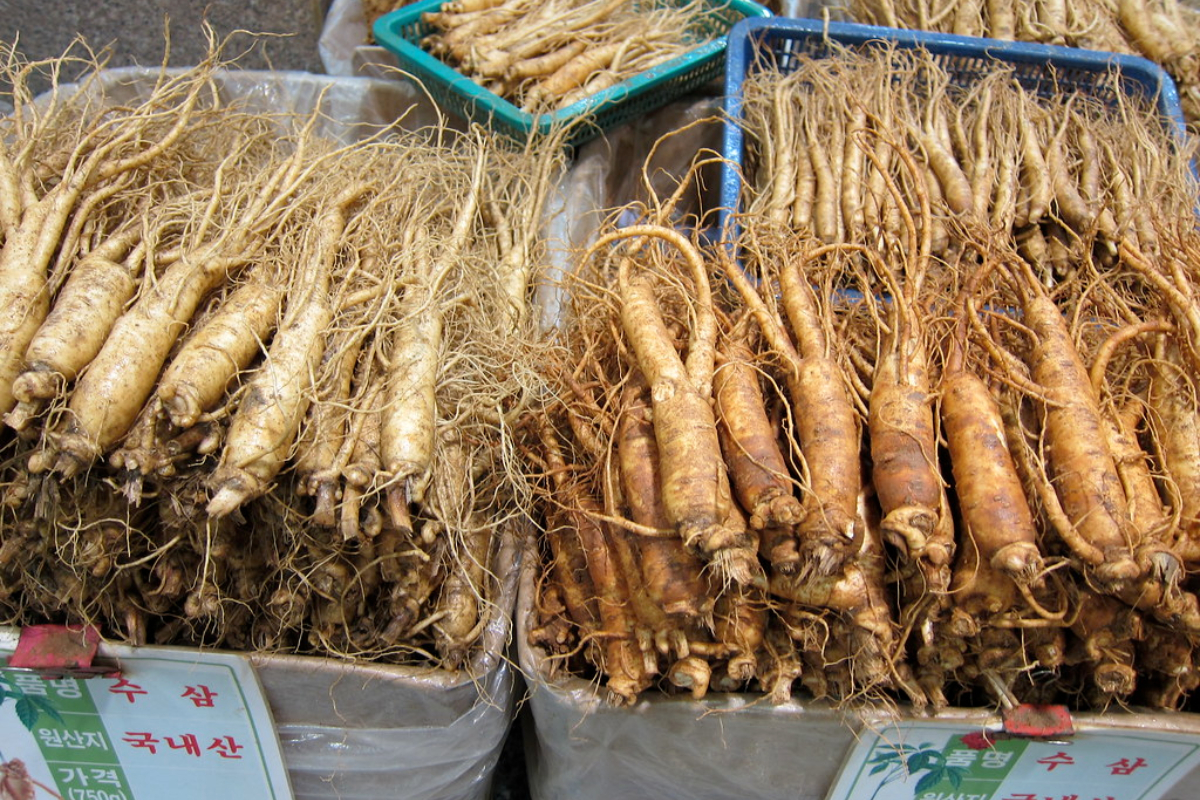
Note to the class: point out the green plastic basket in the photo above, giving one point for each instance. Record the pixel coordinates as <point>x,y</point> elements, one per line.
<point>402,30</point>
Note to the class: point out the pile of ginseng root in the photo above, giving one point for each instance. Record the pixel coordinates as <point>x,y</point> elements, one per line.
<point>1166,32</point>
<point>545,55</point>
<point>256,382</point>
<point>929,434</point>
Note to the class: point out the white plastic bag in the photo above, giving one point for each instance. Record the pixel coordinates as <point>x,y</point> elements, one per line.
<point>344,44</point>
<point>372,731</point>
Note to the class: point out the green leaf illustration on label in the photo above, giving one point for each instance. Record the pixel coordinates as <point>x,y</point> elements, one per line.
<point>28,708</point>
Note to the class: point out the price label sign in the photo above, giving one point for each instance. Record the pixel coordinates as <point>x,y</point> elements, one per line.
<point>175,723</point>
<point>945,761</point>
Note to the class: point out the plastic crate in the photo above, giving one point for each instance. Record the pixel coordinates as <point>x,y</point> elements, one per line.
<point>780,41</point>
<point>401,32</point>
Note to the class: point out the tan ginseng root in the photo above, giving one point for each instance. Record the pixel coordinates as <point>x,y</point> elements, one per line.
<point>858,597</point>
<point>749,440</point>
<point>461,609</point>
<point>172,426</point>
<point>359,515</point>
<point>322,437</point>
<point>94,295</point>
<point>199,374</point>
<point>462,602</point>
<point>127,140</point>
<point>122,376</point>
<point>328,436</point>
<point>829,441</point>
<point>410,389</point>
<point>269,414</point>
<point>515,213</point>
<point>619,656</point>
<point>696,493</point>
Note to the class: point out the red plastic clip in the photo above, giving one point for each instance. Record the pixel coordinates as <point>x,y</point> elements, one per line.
<point>60,651</point>
<point>1038,721</point>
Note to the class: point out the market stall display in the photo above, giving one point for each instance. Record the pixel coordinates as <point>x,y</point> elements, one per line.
<point>213,311</point>
<point>908,244</point>
<point>900,428</point>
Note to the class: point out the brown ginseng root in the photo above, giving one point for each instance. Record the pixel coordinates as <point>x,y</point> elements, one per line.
<point>829,442</point>
<point>1169,658</point>
<point>620,657</point>
<point>267,419</point>
<point>1092,490</point>
<point>567,604</point>
<point>998,575</point>
<point>750,443</point>
<point>411,574</point>
<point>900,422</point>
<point>1174,417</point>
<point>740,622</point>
<point>696,493</point>
<point>1123,419</point>
<point>1158,592</point>
<point>995,511</point>
<point>1108,631</point>
<point>858,597</point>
<point>671,574</point>
<point>1082,496</point>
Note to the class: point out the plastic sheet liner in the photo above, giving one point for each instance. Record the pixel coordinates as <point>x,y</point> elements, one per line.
<point>359,731</point>
<point>607,173</point>
<point>343,44</point>
<point>369,732</point>
<point>352,108</point>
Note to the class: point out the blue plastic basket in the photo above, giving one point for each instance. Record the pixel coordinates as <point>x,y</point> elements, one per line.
<point>779,42</point>
<point>402,30</point>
